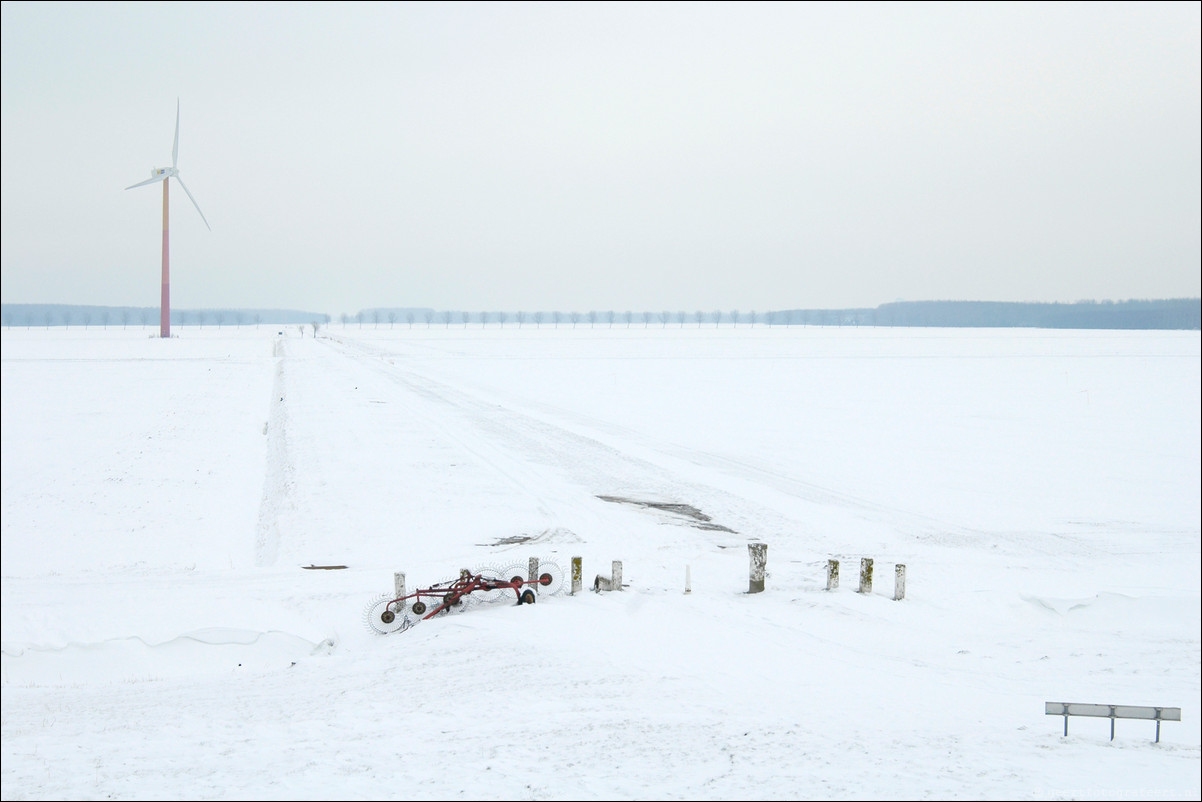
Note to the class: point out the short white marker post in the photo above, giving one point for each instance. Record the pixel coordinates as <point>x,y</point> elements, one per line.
<point>398,585</point>
<point>899,582</point>
<point>866,575</point>
<point>759,560</point>
<point>688,584</point>
<point>832,574</point>
<point>577,569</point>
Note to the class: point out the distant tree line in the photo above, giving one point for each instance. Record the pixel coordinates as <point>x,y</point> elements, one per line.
<point>1184,313</point>
<point>107,317</point>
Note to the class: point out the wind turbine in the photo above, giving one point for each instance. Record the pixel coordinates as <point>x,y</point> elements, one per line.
<point>162,174</point>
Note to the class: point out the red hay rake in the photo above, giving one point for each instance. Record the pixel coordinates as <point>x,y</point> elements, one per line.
<point>387,615</point>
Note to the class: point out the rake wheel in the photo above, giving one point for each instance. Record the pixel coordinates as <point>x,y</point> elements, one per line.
<point>382,619</point>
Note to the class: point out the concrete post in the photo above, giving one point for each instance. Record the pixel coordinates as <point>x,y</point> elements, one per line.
<point>398,585</point>
<point>612,582</point>
<point>759,561</point>
<point>866,575</point>
<point>899,582</point>
<point>533,569</point>
<point>832,574</point>
<point>577,574</point>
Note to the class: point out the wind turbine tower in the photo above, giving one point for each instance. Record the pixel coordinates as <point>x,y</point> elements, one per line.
<point>163,174</point>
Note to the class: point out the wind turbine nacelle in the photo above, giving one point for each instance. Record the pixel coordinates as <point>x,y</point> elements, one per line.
<point>155,172</point>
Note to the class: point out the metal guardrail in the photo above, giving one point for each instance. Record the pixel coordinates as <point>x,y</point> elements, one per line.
<point>1112,712</point>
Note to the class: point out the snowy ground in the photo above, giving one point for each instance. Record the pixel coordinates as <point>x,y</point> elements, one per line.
<point>162,638</point>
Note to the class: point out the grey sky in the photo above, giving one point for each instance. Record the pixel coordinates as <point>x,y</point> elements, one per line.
<point>582,156</point>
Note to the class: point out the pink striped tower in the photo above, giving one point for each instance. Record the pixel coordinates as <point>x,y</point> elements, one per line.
<point>165,174</point>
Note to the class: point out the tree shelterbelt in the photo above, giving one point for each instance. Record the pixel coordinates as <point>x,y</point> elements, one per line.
<point>1169,314</point>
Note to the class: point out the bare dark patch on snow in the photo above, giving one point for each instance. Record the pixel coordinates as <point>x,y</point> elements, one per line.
<point>695,516</point>
<point>556,535</point>
<point>509,541</point>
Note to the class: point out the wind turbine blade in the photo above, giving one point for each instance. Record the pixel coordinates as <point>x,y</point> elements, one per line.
<point>194,203</point>
<point>154,180</point>
<point>175,147</point>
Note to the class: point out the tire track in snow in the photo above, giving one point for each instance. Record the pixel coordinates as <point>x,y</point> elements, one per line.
<point>459,422</point>
<point>739,480</point>
<point>277,479</point>
<point>605,459</point>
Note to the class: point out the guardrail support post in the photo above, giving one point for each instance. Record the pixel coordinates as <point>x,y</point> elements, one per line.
<point>759,560</point>
<point>1113,712</point>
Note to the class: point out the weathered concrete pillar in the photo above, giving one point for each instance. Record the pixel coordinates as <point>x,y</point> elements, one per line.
<point>759,561</point>
<point>577,574</point>
<point>866,575</point>
<point>899,582</point>
<point>612,582</point>
<point>533,569</point>
<point>832,574</point>
<point>398,585</point>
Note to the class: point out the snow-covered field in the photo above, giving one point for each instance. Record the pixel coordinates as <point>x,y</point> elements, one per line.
<point>162,638</point>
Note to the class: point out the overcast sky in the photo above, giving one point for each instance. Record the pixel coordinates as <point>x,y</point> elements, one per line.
<point>577,156</point>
